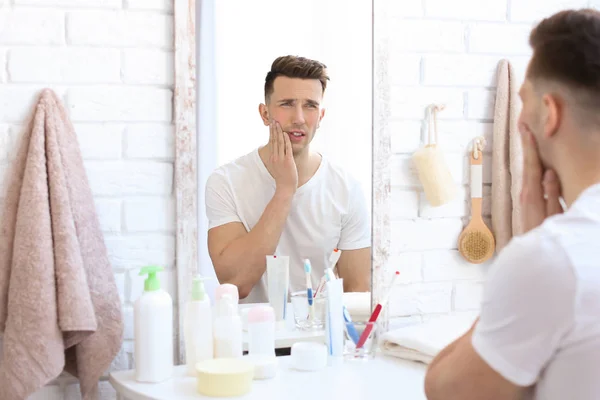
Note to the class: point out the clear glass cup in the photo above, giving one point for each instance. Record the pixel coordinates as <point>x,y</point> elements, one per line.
<point>353,332</point>
<point>301,314</point>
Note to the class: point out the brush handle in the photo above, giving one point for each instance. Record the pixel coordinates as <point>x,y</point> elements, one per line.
<point>476,184</point>
<point>365,335</point>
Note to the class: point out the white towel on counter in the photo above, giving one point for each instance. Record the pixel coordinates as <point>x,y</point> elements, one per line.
<point>423,341</point>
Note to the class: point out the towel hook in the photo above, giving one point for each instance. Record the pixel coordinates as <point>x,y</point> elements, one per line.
<point>479,144</point>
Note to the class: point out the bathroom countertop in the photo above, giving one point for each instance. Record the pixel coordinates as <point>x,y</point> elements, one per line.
<point>380,378</point>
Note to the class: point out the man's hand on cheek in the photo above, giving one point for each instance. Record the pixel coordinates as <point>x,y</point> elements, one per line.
<point>541,190</point>
<point>281,159</point>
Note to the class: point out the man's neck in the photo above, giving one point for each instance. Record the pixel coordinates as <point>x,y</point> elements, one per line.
<point>307,164</point>
<point>573,188</point>
<point>579,173</point>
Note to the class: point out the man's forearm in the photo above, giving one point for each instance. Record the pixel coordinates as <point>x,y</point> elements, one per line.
<point>243,261</point>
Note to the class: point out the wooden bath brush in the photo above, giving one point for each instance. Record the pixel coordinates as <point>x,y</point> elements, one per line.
<point>476,242</point>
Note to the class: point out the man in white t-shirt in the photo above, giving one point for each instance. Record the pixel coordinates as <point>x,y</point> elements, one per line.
<point>538,333</point>
<point>285,199</point>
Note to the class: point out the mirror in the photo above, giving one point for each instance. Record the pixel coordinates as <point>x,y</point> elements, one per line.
<point>379,101</point>
<point>251,205</point>
<point>452,64</point>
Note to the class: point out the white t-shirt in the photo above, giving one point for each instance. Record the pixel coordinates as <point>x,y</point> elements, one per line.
<point>540,316</point>
<point>328,212</point>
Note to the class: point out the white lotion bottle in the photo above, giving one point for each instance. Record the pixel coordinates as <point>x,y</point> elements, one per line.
<point>261,331</point>
<point>198,327</point>
<point>261,341</point>
<point>227,329</point>
<point>153,330</point>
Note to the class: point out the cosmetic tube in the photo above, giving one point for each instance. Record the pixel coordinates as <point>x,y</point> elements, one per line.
<point>334,321</point>
<point>278,280</point>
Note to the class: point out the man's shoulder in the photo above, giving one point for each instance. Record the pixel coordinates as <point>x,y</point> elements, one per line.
<point>338,175</point>
<point>539,240</point>
<point>575,232</point>
<point>580,222</point>
<point>532,256</point>
<point>556,235</point>
<point>563,248</point>
<point>233,170</point>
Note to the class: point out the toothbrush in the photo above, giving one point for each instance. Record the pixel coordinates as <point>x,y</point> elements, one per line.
<point>352,332</point>
<point>375,315</point>
<point>329,275</point>
<point>333,259</point>
<point>309,291</point>
<point>321,286</point>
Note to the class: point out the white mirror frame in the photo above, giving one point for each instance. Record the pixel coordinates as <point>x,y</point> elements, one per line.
<point>186,195</point>
<point>382,150</point>
<point>186,157</point>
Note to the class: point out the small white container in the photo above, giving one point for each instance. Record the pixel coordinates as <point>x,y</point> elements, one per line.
<point>222,289</point>
<point>198,329</point>
<point>153,330</point>
<point>227,288</point>
<point>261,331</point>
<point>226,377</point>
<point>227,329</point>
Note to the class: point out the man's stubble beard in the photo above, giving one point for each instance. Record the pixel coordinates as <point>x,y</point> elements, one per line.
<point>306,147</point>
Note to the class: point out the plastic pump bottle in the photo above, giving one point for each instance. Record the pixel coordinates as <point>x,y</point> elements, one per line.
<point>227,329</point>
<point>153,326</point>
<point>198,327</point>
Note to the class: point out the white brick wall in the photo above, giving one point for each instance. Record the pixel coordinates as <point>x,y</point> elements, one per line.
<point>447,52</point>
<point>111,62</point>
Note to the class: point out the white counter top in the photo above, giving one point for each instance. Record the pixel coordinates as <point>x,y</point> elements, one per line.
<point>381,378</point>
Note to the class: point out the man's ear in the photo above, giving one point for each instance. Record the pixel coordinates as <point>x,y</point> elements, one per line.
<point>552,114</point>
<point>321,117</point>
<point>264,113</point>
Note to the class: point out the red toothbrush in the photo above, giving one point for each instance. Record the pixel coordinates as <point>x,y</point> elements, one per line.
<point>376,312</point>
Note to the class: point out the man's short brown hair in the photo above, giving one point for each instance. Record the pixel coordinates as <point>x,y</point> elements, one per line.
<point>295,67</point>
<point>566,50</point>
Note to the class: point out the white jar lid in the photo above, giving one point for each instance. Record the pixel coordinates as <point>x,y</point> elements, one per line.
<point>309,356</point>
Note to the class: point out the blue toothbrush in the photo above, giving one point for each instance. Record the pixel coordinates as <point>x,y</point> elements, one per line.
<point>309,291</point>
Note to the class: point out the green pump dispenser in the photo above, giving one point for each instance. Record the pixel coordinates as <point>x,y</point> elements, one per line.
<point>198,290</point>
<point>151,283</point>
